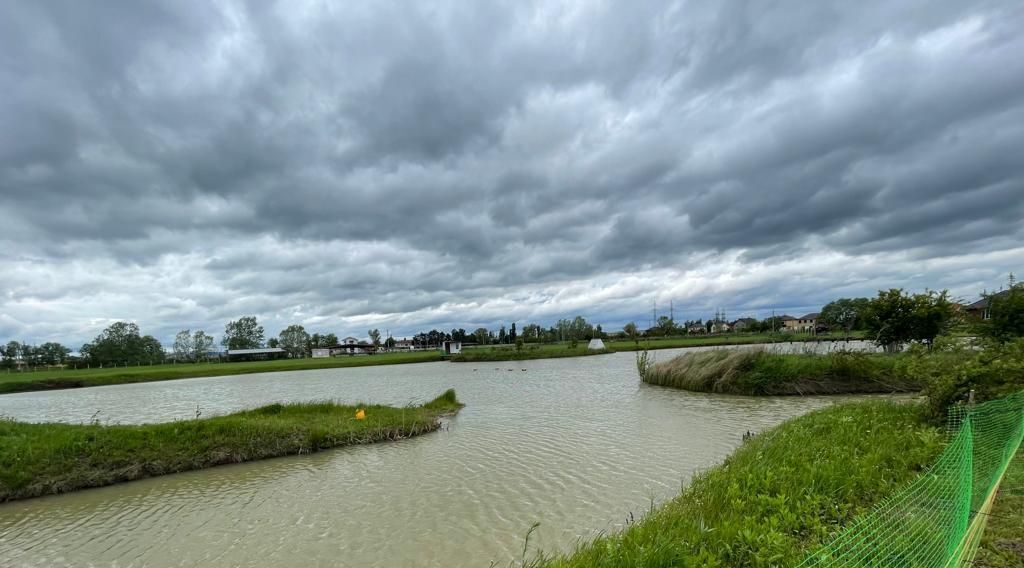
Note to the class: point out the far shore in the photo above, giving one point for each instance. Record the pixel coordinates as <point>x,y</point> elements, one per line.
<point>52,379</point>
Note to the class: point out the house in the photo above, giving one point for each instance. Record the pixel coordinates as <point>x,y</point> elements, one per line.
<point>744,324</point>
<point>980,309</point>
<point>808,322</point>
<point>719,326</point>
<point>789,323</point>
<point>263,354</point>
<point>404,345</point>
<point>352,346</point>
<point>321,352</point>
<point>451,347</point>
<point>696,328</point>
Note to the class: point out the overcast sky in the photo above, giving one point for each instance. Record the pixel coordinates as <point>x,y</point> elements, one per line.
<point>409,165</point>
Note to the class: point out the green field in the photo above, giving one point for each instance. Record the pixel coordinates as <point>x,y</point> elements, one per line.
<point>42,459</point>
<point>72,378</point>
<point>780,495</point>
<point>763,372</point>
<point>1002,545</point>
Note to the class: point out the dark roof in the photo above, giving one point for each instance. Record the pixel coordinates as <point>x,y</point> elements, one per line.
<point>810,316</point>
<point>744,320</point>
<point>983,302</point>
<point>785,317</point>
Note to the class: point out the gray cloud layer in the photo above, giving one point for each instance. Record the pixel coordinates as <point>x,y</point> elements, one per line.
<point>407,165</point>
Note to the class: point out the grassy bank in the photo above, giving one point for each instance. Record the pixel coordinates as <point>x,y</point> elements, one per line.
<point>763,372</point>
<point>779,495</point>
<point>554,350</point>
<point>41,459</point>
<point>74,378</point>
<point>1002,544</point>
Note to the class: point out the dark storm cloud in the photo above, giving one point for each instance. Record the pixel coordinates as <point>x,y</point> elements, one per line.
<point>393,164</point>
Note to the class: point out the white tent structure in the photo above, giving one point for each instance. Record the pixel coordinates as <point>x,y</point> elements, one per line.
<point>595,345</point>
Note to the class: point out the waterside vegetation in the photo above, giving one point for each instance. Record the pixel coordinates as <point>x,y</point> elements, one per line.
<point>49,458</point>
<point>781,494</point>
<point>759,371</point>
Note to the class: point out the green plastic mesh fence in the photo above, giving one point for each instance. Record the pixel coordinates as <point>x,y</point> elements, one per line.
<point>938,519</point>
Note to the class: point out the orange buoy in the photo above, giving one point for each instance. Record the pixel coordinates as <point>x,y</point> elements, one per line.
<point>360,415</point>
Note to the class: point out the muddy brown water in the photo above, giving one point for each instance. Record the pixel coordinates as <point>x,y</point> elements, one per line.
<point>576,445</point>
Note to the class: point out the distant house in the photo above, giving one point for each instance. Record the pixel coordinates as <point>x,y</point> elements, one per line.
<point>262,354</point>
<point>808,322</point>
<point>789,323</point>
<point>719,326</point>
<point>696,328</point>
<point>352,346</point>
<point>980,309</point>
<point>744,324</point>
<point>321,352</point>
<point>451,347</point>
<point>404,345</point>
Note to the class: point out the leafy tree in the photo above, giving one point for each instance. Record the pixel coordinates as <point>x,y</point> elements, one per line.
<point>845,313</point>
<point>502,335</point>
<point>11,353</point>
<point>375,337</point>
<point>895,318</point>
<point>329,340</point>
<point>294,340</point>
<point>512,333</point>
<point>273,342</point>
<point>51,353</point>
<point>1006,314</point>
<point>120,343</point>
<point>150,350</point>
<point>243,333</point>
<point>630,330</point>
<point>482,336</point>
<point>201,345</point>
<point>182,347</point>
<point>665,326</point>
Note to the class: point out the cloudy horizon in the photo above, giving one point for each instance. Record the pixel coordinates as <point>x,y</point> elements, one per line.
<point>437,165</point>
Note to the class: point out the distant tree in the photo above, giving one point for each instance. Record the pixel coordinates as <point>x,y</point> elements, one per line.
<point>150,350</point>
<point>329,340</point>
<point>895,318</point>
<point>10,353</point>
<point>845,313</point>
<point>512,333</point>
<point>375,337</point>
<point>182,347</point>
<point>243,333</point>
<point>1006,313</point>
<point>201,345</point>
<point>389,343</point>
<point>630,330</point>
<point>665,326</point>
<point>51,353</point>
<point>482,336</point>
<point>119,343</point>
<point>502,335</point>
<point>273,342</point>
<point>294,340</point>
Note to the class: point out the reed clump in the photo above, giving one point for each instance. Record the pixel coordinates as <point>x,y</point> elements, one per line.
<point>764,372</point>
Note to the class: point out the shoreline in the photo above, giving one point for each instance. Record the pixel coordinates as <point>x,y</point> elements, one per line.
<point>34,381</point>
<point>40,459</point>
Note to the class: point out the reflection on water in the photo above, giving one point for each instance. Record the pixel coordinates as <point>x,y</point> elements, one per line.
<point>575,444</point>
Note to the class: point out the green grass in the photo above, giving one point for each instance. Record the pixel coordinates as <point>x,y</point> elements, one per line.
<point>554,350</point>
<point>779,496</point>
<point>41,459</point>
<point>763,372</point>
<point>1002,544</point>
<point>72,378</point>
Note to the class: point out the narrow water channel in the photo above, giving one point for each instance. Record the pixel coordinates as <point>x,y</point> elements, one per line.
<point>574,444</point>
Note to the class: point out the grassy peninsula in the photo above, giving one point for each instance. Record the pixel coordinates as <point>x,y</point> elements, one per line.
<point>763,372</point>
<point>42,459</point>
<point>780,495</point>
<point>76,378</point>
